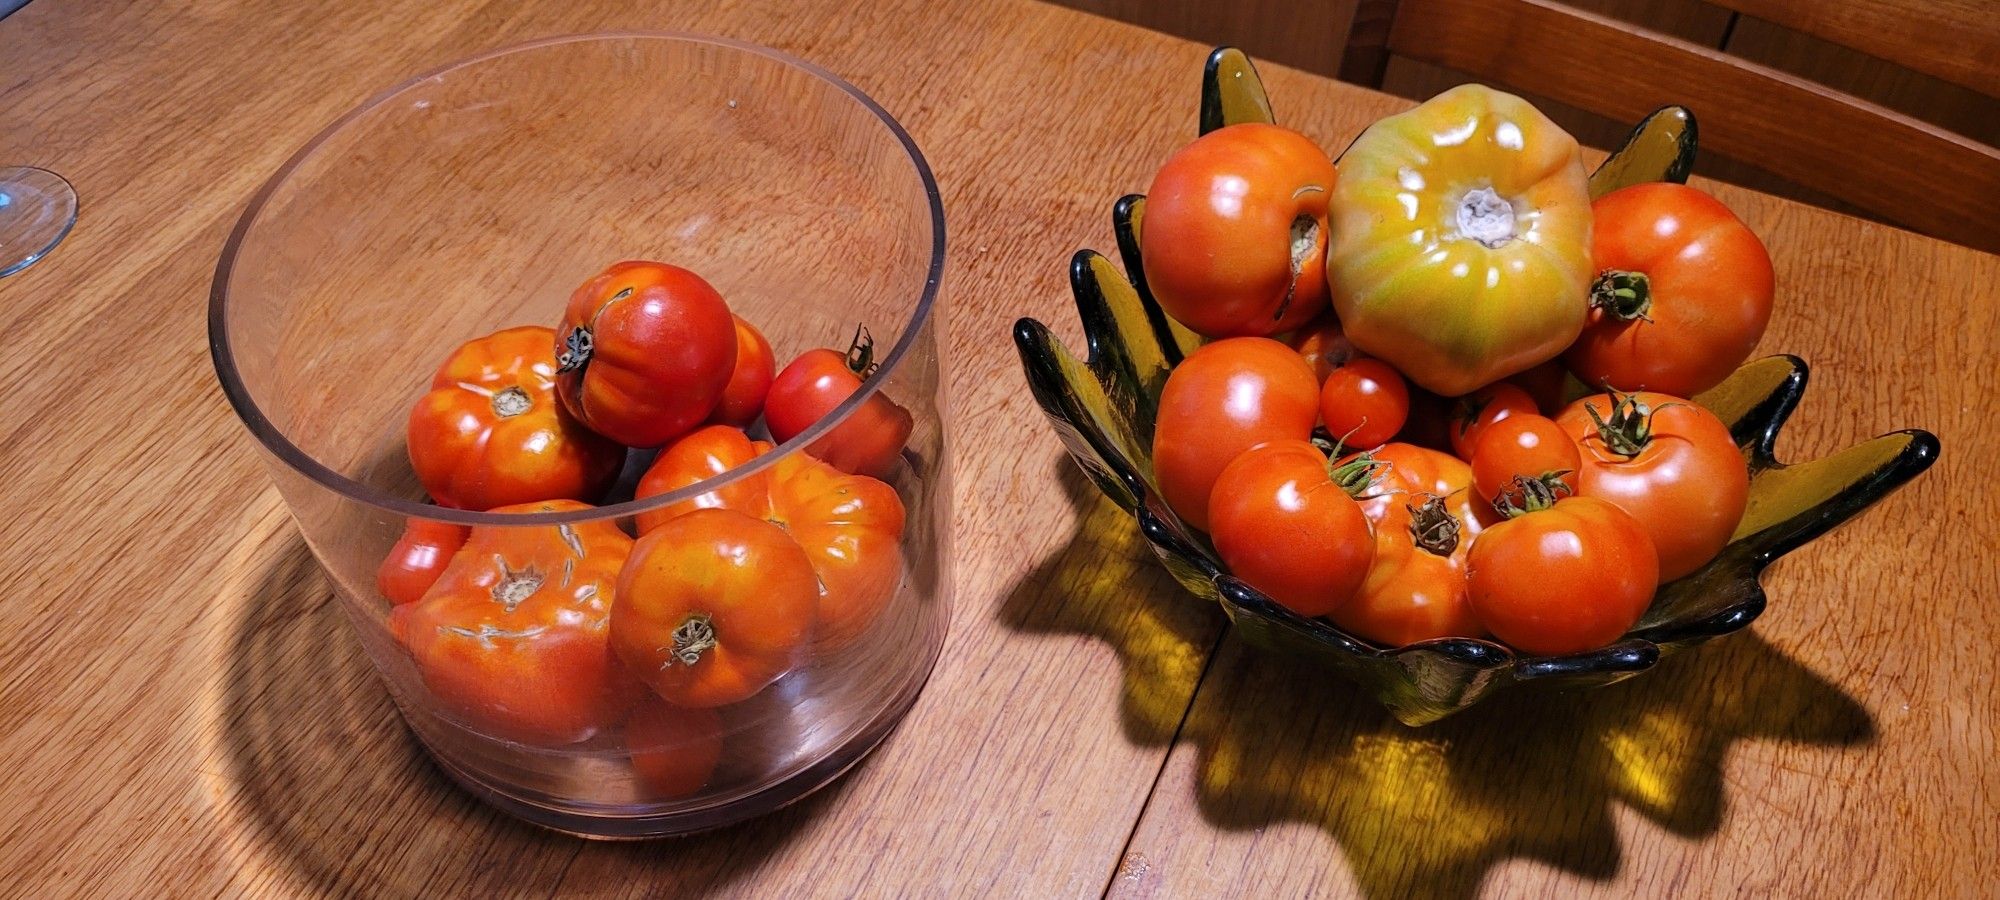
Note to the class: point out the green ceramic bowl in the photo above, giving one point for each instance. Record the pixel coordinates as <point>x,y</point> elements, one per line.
<point>1103,409</point>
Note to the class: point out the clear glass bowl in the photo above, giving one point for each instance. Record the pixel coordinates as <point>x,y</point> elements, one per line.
<point>476,197</point>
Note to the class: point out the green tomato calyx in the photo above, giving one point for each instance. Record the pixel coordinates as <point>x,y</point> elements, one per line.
<point>1536,493</point>
<point>1623,295</point>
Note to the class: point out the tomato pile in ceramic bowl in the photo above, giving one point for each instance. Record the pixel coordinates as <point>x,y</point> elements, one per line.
<point>599,374</point>
<point>1452,407</point>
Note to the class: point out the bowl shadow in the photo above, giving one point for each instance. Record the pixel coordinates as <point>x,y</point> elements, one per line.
<point>332,784</point>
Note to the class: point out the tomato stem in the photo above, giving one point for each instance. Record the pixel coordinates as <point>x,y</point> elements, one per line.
<point>1536,492</point>
<point>1630,427</point>
<point>1623,295</point>
<point>861,352</point>
<point>1355,476</point>
<point>693,638</point>
<point>1433,527</point>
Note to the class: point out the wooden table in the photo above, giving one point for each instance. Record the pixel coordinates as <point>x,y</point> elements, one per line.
<point>182,712</point>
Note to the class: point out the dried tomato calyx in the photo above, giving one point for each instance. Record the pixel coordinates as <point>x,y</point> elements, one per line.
<point>576,350</point>
<point>1536,492</point>
<point>515,585</point>
<point>1485,216</point>
<point>1432,526</point>
<point>861,352</point>
<point>1623,295</point>
<point>693,638</point>
<point>511,402</point>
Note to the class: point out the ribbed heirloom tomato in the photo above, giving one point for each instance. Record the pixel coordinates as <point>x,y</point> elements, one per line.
<point>1682,295</point>
<point>870,440</point>
<point>490,432</point>
<point>1225,398</point>
<point>1413,471</point>
<point>850,526</point>
<point>1565,576</point>
<point>714,606</point>
<point>417,559</point>
<point>1284,520</point>
<point>512,636</point>
<point>1461,249</point>
<point>644,352</point>
<point>743,397</point>
<point>1669,463</point>
<point>1235,231</point>
<point>1416,588</point>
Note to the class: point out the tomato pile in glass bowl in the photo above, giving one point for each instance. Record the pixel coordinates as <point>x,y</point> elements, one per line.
<point>787,592</point>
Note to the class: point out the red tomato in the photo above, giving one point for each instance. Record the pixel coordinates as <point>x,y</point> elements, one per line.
<point>743,397</point>
<point>1473,412</point>
<point>1225,398</point>
<point>1669,463</point>
<point>1286,524</point>
<point>1322,344</point>
<point>1416,588</point>
<point>417,559</point>
<point>1684,294</point>
<point>714,606</point>
<point>870,440</point>
<point>644,352</point>
<point>490,432</point>
<point>850,526</point>
<point>1364,403</point>
<point>1235,231</point>
<point>1572,576</point>
<point>1525,446</point>
<point>511,638</point>
<point>1408,470</point>
<point>674,749</point>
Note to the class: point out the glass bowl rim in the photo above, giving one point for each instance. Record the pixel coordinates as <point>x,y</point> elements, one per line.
<point>274,440</point>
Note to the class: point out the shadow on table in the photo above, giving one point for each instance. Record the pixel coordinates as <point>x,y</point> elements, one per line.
<point>1104,581</point>
<point>1425,811</point>
<point>334,785</point>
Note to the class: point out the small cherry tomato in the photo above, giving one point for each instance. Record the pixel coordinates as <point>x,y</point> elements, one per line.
<point>1364,403</point>
<point>1226,397</point>
<point>417,559</point>
<point>1408,470</point>
<point>1235,231</point>
<point>743,397</point>
<point>674,749</point>
<point>490,432</point>
<point>1668,462</point>
<point>1322,345</point>
<point>1526,446</point>
<point>850,526</point>
<point>644,352</point>
<point>870,440</point>
<point>1473,412</point>
<point>1683,294</point>
<point>1416,588</point>
<point>714,606</point>
<point>1565,577</point>
<point>1285,522</point>
<point>511,638</point>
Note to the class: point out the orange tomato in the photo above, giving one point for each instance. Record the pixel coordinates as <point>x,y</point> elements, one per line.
<point>1416,587</point>
<point>1525,446</point>
<point>1668,462</point>
<point>850,526</point>
<point>1411,471</point>
<point>417,559</point>
<point>1474,412</point>
<point>870,440</point>
<point>1565,578</point>
<point>491,433</point>
<point>645,352</point>
<point>1235,231</point>
<point>1225,398</point>
<point>1322,345</point>
<point>1285,522</point>
<point>512,637</point>
<point>743,397</point>
<point>674,749</point>
<point>714,606</point>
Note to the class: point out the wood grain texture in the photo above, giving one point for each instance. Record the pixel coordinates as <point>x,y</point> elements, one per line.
<point>1906,90</point>
<point>185,714</point>
<point>1938,182</point>
<point>1956,40</point>
<point>1306,34</point>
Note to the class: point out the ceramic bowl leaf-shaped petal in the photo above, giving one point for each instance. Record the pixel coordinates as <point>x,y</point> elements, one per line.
<point>1103,408</point>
